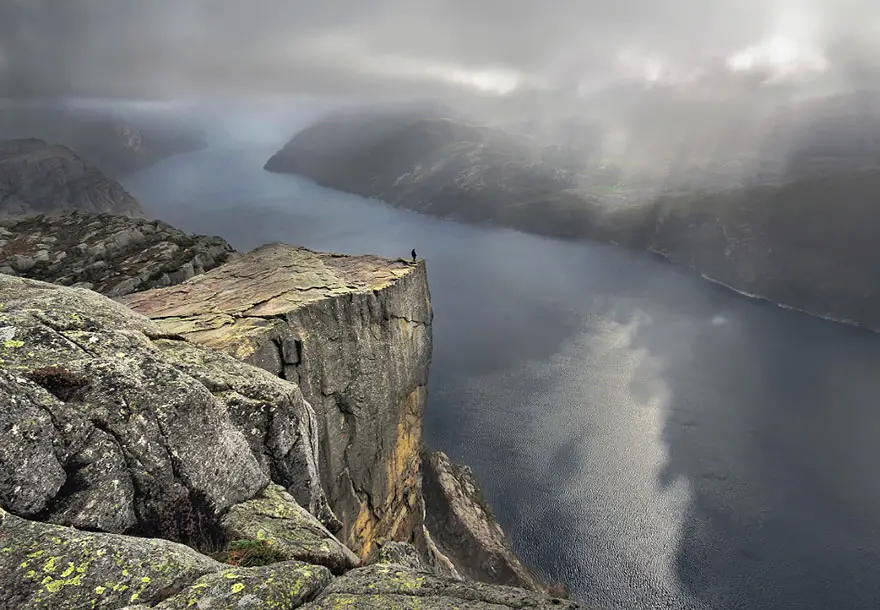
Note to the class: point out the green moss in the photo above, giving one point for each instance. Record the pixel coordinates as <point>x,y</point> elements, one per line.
<point>13,344</point>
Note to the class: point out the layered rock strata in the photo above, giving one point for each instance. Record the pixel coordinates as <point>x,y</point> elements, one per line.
<point>464,528</point>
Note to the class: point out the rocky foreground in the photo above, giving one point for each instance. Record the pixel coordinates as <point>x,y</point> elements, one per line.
<point>257,443</point>
<point>40,178</point>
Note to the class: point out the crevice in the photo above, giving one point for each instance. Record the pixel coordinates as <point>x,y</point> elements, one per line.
<point>405,319</point>
<point>72,484</point>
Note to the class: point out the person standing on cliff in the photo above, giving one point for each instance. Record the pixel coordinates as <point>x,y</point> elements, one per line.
<point>414,254</point>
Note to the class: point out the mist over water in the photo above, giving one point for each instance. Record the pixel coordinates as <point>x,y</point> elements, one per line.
<point>651,439</point>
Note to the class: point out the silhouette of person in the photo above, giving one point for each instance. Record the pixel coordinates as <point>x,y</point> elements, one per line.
<point>414,255</point>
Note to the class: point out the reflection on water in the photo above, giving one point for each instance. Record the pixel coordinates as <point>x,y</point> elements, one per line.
<point>652,439</point>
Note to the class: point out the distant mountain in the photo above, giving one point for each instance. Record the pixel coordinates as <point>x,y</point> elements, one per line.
<point>811,244</point>
<point>801,232</point>
<point>113,143</point>
<point>39,178</point>
<point>438,165</point>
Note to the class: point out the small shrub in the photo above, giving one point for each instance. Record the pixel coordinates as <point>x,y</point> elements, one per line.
<point>65,385</point>
<point>249,553</point>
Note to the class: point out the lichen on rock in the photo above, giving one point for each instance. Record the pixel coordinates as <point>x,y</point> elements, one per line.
<point>276,520</point>
<point>390,586</point>
<point>157,439</point>
<point>45,566</point>
<point>282,585</point>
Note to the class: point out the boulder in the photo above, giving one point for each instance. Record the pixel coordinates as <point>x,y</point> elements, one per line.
<point>283,585</point>
<point>390,586</point>
<point>46,566</point>
<point>113,425</point>
<point>276,520</point>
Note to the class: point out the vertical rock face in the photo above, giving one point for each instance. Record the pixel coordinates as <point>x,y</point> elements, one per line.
<point>464,528</point>
<point>354,333</point>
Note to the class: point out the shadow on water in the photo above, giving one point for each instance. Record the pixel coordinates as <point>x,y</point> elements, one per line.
<point>780,462</point>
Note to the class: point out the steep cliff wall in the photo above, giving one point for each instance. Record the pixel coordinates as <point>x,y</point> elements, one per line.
<point>354,333</point>
<point>464,528</point>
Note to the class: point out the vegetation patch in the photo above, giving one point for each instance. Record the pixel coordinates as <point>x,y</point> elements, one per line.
<point>65,385</point>
<point>249,554</point>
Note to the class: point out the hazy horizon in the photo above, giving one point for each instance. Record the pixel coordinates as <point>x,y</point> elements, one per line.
<point>684,91</point>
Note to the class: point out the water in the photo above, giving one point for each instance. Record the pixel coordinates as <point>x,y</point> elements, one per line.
<point>652,439</point>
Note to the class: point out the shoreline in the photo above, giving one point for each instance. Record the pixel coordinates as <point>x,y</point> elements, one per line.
<point>577,239</point>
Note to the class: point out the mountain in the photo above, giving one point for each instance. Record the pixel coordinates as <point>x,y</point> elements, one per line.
<point>793,218</point>
<point>39,178</point>
<point>113,142</point>
<point>439,165</point>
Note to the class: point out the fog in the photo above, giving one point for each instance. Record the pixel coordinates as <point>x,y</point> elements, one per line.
<point>186,47</point>
<point>692,84</point>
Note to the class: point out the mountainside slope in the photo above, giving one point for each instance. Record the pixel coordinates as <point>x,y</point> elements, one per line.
<point>38,178</point>
<point>120,426</point>
<point>804,239</point>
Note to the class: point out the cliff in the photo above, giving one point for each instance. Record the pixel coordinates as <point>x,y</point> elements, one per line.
<point>354,333</point>
<point>38,178</point>
<point>113,255</point>
<point>117,429</point>
<point>464,528</point>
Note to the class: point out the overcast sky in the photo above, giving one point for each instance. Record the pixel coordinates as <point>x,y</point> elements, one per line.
<point>170,47</point>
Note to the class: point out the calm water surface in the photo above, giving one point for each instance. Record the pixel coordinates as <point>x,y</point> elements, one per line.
<point>649,438</point>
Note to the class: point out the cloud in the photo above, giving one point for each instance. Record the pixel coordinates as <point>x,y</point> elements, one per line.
<point>172,47</point>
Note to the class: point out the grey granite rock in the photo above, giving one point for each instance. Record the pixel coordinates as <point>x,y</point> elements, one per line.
<point>285,585</point>
<point>389,586</point>
<point>464,528</point>
<point>112,254</point>
<point>276,520</point>
<point>354,332</point>
<point>51,567</point>
<point>118,428</point>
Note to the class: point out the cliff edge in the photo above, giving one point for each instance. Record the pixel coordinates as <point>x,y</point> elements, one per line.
<point>354,333</point>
